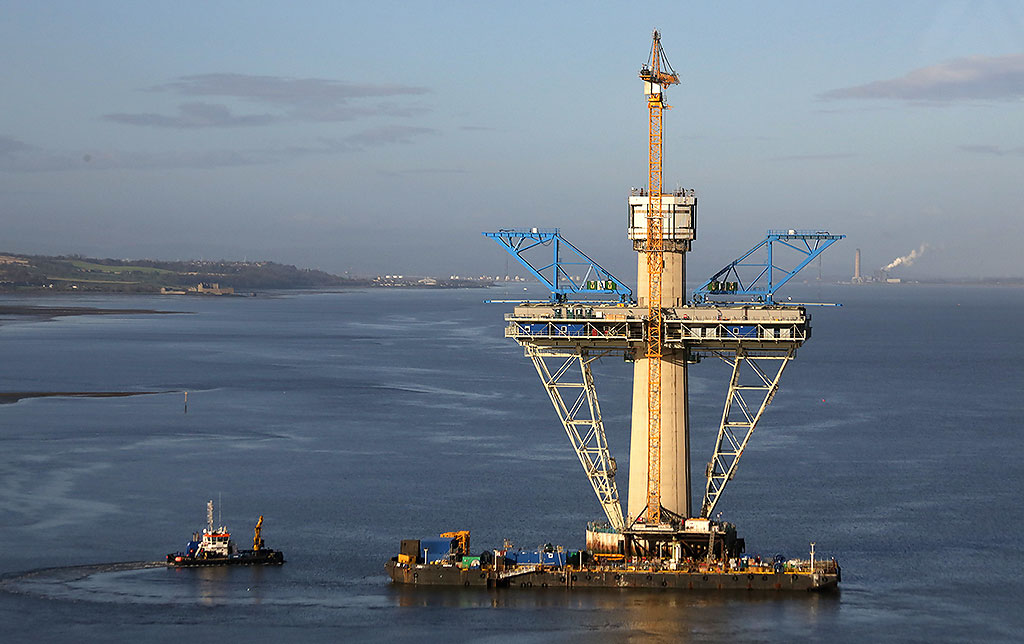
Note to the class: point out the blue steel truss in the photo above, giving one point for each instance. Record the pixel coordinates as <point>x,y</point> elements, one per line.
<point>569,273</point>
<point>736,283</point>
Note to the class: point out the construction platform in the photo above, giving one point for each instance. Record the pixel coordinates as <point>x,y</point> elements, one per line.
<point>661,540</point>
<point>752,327</point>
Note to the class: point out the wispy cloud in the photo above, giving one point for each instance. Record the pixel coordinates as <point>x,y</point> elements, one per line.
<point>816,157</point>
<point>282,90</point>
<point>277,100</point>
<point>193,115</point>
<point>35,159</point>
<point>292,99</point>
<point>387,134</point>
<point>993,150</point>
<point>18,156</point>
<point>9,146</point>
<point>985,78</point>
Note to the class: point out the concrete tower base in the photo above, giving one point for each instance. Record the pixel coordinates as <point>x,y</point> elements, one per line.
<point>675,418</point>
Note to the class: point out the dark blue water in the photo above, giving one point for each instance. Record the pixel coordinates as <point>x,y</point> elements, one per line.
<point>354,420</point>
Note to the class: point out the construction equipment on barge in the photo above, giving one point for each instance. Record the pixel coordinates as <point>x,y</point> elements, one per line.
<point>443,562</point>
<point>733,317</point>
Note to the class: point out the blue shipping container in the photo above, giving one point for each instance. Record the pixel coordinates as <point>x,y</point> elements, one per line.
<point>570,329</point>
<point>536,557</point>
<point>743,331</point>
<point>436,546</point>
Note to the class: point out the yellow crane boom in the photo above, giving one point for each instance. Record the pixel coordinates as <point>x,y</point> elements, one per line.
<point>462,539</point>
<point>257,541</point>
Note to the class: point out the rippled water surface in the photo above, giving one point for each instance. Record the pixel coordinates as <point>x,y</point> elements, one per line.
<point>353,420</point>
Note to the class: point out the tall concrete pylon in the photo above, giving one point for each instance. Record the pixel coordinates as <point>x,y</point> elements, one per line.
<point>679,210</point>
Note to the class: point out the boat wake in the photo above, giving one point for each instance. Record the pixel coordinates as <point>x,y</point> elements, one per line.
<point>31,581</point>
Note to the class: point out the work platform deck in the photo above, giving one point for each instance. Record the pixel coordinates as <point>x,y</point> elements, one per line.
<point>696,327</point>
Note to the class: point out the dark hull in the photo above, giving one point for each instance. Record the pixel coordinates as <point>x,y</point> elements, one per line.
<point>436,575</point>
<point>263,558</point>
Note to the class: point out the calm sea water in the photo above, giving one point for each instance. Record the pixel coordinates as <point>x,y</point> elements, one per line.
<point>353,420</point>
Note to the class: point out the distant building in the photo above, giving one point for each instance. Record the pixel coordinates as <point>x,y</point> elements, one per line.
<point>857,277</point>
<point>212,288</point>
<point>202,288</point>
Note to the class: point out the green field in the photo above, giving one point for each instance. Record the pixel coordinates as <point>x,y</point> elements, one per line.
<point>103,268</point>
<point>75,279</point>
<point>37,272</point>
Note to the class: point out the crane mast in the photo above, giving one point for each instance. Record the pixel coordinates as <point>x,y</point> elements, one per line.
<point>656,74</point>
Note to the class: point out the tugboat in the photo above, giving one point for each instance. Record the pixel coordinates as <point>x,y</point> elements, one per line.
<point>214,547</point>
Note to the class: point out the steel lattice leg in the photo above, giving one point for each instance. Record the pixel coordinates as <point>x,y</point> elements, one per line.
<point>740,416</point>
<point>581,419</point>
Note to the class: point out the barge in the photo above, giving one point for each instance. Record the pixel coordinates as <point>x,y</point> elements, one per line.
<point>446,561</point>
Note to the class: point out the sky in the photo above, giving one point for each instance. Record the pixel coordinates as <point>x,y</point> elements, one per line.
<point>385,137</point>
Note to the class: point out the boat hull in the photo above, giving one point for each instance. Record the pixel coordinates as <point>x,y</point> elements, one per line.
<point>262,558</point>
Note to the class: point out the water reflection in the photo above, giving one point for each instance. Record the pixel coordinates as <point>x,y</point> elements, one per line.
<point>219,585</point>
<point>600,598</point>
<point>638,615</point>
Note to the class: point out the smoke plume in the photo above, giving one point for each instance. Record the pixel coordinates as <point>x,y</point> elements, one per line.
<point>906,260</point>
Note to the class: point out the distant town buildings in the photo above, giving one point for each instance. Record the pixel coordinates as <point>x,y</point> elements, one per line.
<point>202,288</point>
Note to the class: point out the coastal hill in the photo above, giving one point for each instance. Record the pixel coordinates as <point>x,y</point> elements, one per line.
<point>40,273</point>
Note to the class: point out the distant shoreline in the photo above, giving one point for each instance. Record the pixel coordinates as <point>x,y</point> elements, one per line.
<point>76,274</point>
<point>52,311</point>
<point>12,312</point>
<point>11,397</point>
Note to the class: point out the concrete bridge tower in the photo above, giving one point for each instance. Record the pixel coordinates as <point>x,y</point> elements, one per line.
<point>679,229</point>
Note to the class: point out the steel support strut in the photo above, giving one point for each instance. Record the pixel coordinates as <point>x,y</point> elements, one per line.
<point>750,391</point>
<point>581,418</point>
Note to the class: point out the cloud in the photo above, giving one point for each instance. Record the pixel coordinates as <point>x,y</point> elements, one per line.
<point>283,91</point>
<point>414,171</point>
<point>999,78</point>
<point>10,145</point>
<point>993,150</point>
<point>327,114</point>
<point>387,134</point>
<point>293,99</point>
<point>194,115</point>
<point>17,156</point>
<point>817,157</point>
<point>38,160</point>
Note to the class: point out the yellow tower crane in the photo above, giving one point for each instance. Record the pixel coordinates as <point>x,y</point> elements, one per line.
<point>656,74</point>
